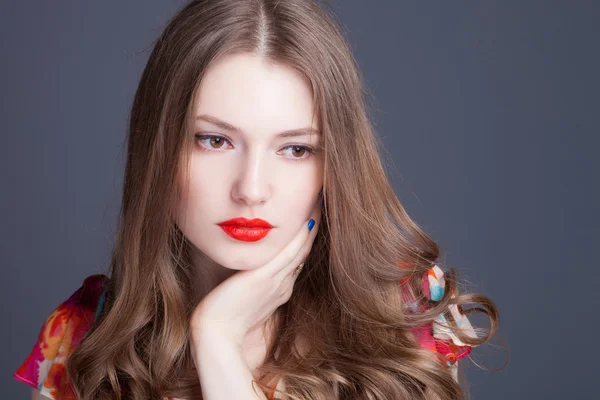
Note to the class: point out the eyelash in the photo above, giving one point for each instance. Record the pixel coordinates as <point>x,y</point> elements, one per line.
<point>198,138</point>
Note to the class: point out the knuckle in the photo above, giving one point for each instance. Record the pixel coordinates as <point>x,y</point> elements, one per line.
<point>282,290</point>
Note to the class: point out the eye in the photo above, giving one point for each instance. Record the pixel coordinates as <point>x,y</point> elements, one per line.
<point>215,142</point>
<point>298,151</point>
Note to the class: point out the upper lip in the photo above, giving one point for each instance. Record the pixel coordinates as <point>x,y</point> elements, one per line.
<point>251,223</point>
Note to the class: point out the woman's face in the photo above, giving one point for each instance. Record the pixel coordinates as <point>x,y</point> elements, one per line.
<point>241,166</point>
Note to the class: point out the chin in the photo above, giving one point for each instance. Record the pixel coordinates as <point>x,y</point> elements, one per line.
<point>241,262</point>
<point>249,263</point>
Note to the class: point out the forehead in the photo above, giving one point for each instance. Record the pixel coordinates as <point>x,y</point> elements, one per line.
<point>247,92</point>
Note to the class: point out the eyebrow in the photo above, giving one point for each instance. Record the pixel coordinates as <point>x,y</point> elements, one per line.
<point>288,133</point>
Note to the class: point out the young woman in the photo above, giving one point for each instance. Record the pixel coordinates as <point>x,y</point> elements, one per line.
<point>262,252</point>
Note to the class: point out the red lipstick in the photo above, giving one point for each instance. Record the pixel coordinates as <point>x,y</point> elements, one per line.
<point>247,230</point>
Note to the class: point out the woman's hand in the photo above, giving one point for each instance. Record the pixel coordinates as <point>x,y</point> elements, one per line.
<point>248,298</point>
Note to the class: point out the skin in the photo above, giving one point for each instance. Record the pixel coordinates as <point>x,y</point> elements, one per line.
<point>254,173</point>
<point>253,176</point>
<point>223,321</point>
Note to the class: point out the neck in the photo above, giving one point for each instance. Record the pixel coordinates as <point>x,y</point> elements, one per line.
<point>207,274</point>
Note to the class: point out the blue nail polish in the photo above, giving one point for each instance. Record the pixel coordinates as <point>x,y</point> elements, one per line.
<point>311,223</point>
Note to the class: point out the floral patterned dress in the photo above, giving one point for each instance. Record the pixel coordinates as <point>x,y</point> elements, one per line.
<point>65,327</point>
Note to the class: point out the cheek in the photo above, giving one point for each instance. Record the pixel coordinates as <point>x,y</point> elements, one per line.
<point>199,195</point>
<point>207,177</point>
<point>296,204</point>
<point>193,198</point>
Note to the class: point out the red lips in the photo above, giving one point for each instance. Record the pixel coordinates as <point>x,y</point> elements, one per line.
<point>247,230</point>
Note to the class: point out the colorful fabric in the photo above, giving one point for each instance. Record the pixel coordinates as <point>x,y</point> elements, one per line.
<point>61,333</point>
<point>436,336</point>
<point>66,326</point>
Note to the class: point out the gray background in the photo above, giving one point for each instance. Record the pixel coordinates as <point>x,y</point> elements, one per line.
<point>489,111</point>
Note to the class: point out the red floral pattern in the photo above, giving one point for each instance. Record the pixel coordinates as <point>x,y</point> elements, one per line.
<point>61,333</point>
<point>65,327</point>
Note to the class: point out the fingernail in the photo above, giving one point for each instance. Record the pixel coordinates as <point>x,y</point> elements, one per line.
<point>311,223</point>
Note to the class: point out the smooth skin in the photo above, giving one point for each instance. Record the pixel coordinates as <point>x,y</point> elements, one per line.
<point>237,307</point>
<point>253,171</point>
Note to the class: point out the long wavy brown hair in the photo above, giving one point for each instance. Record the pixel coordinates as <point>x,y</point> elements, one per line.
<point>347,301</point>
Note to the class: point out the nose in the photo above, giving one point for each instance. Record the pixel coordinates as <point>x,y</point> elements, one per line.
<point>252,185</point>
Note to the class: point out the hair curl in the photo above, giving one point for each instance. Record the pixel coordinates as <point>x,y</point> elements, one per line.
<point>346,302</point>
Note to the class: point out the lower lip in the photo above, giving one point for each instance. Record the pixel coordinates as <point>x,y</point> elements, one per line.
<point>244,233</point>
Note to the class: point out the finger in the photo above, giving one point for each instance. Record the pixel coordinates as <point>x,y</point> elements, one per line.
<point>287,276</point>
<point>290,273</point>
<point>302,254</point>
<point>291,250</point>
